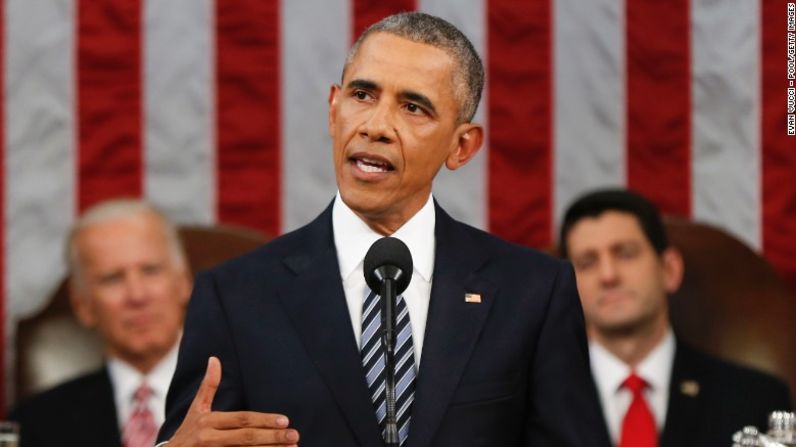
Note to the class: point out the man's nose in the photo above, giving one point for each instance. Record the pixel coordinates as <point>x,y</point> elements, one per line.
<point>136,288</point>
<point>379,124</point>
<point>609,274</point>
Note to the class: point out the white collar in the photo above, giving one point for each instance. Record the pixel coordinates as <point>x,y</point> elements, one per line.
<point>353,238</point>
<point>655,369</point>
<point>126,379</point>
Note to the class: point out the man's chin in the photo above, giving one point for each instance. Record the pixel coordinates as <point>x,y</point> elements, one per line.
<point>148,344</point>
<point>149,350</point>
<point>621,328</point>
<point>366,203</point>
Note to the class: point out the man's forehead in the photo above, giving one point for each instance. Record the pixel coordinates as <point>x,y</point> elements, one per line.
<point>123,226</point>
<point>381,49</point>
<point>106,238</point>
<point>607,228</point>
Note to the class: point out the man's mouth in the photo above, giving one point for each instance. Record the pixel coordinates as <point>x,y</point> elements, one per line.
<point>372,165</point>
<point>614,297</point>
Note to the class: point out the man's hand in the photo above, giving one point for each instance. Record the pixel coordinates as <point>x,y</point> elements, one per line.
<point>204,427</point>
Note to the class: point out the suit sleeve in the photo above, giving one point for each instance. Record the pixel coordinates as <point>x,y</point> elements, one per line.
<point>565,411</point>
<point>28,429</point>
<point>773,395</point>
<point>206,333</point>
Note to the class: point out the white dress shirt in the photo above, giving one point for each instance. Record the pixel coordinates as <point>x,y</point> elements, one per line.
<point>610,372</point>
<point>353,238</point>
<point>126,380</point>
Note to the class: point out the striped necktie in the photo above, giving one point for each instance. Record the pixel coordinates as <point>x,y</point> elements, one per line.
<point>373,362</point>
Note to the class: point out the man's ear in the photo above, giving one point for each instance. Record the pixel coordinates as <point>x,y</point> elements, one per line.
<point>81,305</point>
<point>673,268</point>
<point>333,91</point>
<point>470,137</point>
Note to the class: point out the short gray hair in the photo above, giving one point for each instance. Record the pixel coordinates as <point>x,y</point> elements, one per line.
<point>424,28</point>
<point>115,209</point>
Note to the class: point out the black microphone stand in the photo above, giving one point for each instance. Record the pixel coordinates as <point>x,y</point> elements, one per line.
<point>388,305</point>
<point>388,268</point>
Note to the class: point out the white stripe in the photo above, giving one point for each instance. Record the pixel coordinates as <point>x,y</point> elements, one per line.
<point>373,350</point>
<point>39,155</point>
<point>371,329</point>
<point>409,399</point>
<point>726,112</point>
<point>375,370</point>
<point>178,108</point>
<point>381,412</point>
<point>379,391</point>
<point>40,152</point>
<point>315,39</point>
<point>405,358</point>
<point>463,192</point>
<point>370,307</point>
<point>403,433</point>
<point>403,337</point>
<point>589,98</point>
<point>402,313</point>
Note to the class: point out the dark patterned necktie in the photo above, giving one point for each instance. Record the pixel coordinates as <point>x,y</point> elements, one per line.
<point>373,362</point>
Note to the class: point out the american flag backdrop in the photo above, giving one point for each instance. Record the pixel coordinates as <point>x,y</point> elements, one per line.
<point>216,111</point>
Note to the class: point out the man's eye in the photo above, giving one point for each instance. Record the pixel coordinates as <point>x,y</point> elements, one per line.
<point>413,108</point>
<point>583,263</point>
<point>110,278</point>
<point>152,269</point>
<point>627,252</point>
<point>359,94</point>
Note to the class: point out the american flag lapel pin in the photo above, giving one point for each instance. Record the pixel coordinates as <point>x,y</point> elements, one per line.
<point>689,388</point>
<point>472,298</point>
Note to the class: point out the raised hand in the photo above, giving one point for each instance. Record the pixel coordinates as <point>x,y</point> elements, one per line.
<point>204,427</point>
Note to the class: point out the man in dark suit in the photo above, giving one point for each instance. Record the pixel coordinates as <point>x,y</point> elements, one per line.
<point>654,389</point>
<point>129,280</point>
<point>496,329</point>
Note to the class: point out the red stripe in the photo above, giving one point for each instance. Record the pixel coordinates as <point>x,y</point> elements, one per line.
<point>520,120</point>
<point>659,102</point>
<point>368,12</point>
<point>109,105</point>
<point>3,272</point>
<point>248,107</point>
<point>779,149</point>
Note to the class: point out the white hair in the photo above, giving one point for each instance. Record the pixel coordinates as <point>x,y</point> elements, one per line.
<point>115,209</point>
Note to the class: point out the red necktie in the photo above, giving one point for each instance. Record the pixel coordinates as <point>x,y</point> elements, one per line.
<point>140,429</point>
<point>638,427</point>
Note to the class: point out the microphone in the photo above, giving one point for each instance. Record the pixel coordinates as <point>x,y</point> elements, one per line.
<point>388,259</point>
<point>388,271</point>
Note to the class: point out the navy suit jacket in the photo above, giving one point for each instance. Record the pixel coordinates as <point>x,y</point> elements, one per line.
<point>512,370</point>
<point>726,398</point>
<point>78,413</point>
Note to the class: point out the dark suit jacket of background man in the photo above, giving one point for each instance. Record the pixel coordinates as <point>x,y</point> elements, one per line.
<point>728,397</point>
<point>278,320</point>
<point>78,413</point>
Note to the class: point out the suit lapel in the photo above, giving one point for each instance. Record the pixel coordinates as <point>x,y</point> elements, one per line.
<point>452,326</point>
<point>96,420</point>
<point>315,302</point>
<point>684,402</point>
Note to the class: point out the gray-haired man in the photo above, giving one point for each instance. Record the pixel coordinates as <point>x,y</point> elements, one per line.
<point>129,281</point>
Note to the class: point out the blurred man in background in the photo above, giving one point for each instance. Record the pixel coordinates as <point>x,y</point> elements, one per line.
<point>129,281</point>
<point>653,387</point>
